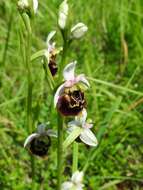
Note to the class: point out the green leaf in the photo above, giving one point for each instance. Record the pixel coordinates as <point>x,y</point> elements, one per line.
<point>38,54</point>
<point>73,135</point>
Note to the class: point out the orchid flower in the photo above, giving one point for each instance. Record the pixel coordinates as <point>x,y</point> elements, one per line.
<point>51,52</point>
<point>75,182</point>
<point>86,135</point>
<point>38,143</point>
<point>70,80</point>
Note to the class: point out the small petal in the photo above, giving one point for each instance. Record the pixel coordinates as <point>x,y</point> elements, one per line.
<point>51,133</point>
<point>41,128</point>
<point>78,30</point>
<point>81,78</point>
<point>77,177</point>
<point>35,5</point>
<point>88,125</point>
<point>73,124</point>
<point>67,185</point>
<point>58,93</point>
<point>50,36</point>
<point>63,13</point>
<point>69,70</point>
<point>88,137</point>
<point>30,138</point>
<point>81,119</point>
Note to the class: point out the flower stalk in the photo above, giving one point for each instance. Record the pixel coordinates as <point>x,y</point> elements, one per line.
<point>60,151</point>
<point>29,121</point>
<point>75,157</point>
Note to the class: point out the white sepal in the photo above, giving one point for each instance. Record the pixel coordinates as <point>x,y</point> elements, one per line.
<point>63,13</point>
<point>78,30</point>
<point>67,185</point>
<point>69,70</point>
<point>51,133</point>
<point>50,36</point>
<point>77,177</point>
<point>58,93</point>
<point>35,6</point>
<point>88,137</point>
<point>30,138</point>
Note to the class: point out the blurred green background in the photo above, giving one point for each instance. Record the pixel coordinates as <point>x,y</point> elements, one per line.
<point>111,55</point>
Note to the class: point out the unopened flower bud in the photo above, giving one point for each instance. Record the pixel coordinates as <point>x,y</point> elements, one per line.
<point>35,6</point>
<point>78,30</point>
<point>63,13</point>
<point>23,5</point>
<point>28,6</point>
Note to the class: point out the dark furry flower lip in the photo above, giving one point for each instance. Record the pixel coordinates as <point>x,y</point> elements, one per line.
<point>52,65</point>
<point>71,103</point>
<point>39,146</point>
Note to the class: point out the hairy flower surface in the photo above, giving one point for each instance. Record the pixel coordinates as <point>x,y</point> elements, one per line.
<point>38,143</point>
<point>51,53</point>
<point>86,135</point>
<point>69,97</point>
<point>75,183</point>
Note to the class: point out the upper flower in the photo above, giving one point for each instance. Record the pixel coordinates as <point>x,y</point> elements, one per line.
<point>38,143</point>
<point>51,53</point>
<point>69,98</point>
<point>75,182</point>
<point>86,135</point>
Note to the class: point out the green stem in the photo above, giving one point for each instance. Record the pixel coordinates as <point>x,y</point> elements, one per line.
<point>60,118</point>
<point>75,157</point>
<point>64,52</point>
<point>30,86</point>
<point>7,37</point>
<point>60,151</point>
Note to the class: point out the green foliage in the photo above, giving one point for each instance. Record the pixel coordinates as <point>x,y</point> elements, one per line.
<point>110,52</point>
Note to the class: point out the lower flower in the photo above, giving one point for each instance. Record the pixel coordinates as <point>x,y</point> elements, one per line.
<point>38,143</point>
